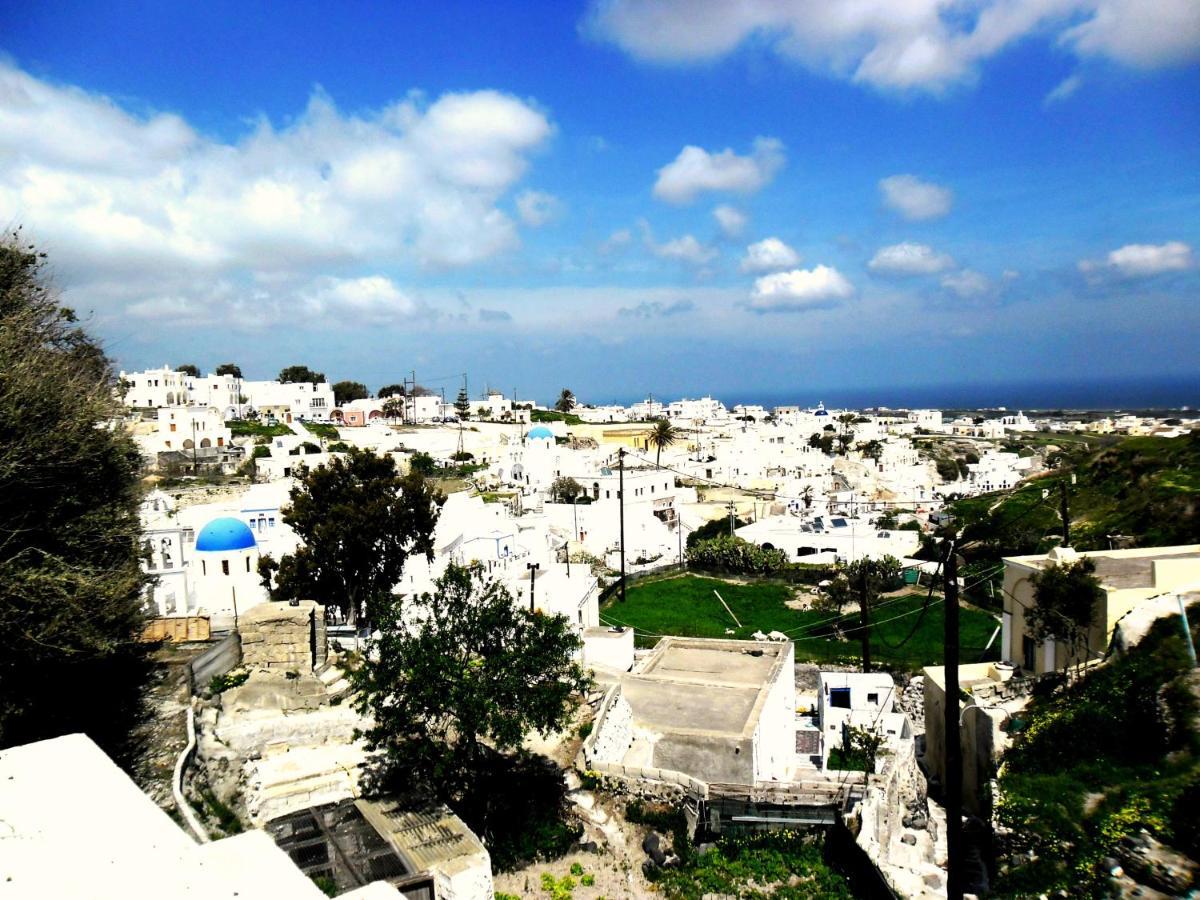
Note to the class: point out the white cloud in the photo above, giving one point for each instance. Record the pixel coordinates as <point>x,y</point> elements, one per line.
<point>685,249</point>
<point>1138,260</point>
<point>536,208</point>
<point>1137,34</point>
<point>696,170</point>
<point>909,259</point>
<point>799,289</point>
<point>1064,89</point>
<point>966,283</point>
<point>769,254</point>
<point>731,221</point>
<point>914,199</point>
<point>114,193</point>
<point>618,240</point>
<point>914,45</point>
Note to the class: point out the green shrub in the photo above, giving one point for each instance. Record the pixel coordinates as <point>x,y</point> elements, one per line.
<point>735,555</point>
<point>219,683</point>
<point>585,729</point>
<point>587,880</point>
<point>576,869</point>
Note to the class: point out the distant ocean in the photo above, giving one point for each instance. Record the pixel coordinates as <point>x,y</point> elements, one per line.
<point>1132,394</point>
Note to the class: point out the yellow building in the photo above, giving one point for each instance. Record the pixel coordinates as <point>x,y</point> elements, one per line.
<point>1128,578</point>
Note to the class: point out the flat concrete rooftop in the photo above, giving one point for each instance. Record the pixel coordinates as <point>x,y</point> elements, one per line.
<point>1123,569</point>
<point>725,663</point>
<point>704,686</point>
<point>666,706</point>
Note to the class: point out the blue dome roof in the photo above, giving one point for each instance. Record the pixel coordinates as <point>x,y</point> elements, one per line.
<point>540,431</point>
<point>225,534</point>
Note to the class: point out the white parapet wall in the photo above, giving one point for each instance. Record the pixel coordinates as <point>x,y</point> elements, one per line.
<point>614,730</point>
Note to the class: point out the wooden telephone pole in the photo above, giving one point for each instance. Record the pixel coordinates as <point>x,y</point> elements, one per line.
<point>953,749</point>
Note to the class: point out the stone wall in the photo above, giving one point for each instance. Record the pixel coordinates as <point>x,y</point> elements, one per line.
<point>613,733</point>
<point>902,835</point>
<point>282,636</point>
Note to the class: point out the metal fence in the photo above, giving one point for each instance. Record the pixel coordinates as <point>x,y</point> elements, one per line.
<point>217,660</point>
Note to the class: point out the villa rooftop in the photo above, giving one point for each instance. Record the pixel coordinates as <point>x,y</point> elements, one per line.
<point>1122,569</point>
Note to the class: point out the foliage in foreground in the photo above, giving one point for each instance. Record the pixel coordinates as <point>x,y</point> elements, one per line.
<point>359,520</point>
<point>70,580</point>
<point>780,864</point>
<point>453,682</point>
<point>1114,753</point>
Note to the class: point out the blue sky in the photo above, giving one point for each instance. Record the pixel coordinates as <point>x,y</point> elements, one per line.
<point>636,195</point>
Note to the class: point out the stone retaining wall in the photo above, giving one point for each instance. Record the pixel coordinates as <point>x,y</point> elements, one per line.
<point>282,636</point>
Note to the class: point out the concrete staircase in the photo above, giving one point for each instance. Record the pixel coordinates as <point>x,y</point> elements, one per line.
<point>337,684</point>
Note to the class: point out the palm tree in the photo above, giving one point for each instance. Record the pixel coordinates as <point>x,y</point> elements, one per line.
<point>664,435</point>
<point>566,401</point>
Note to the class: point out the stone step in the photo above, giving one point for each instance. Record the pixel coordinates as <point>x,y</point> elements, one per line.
<point>339,689</point>
<point>330,675</point>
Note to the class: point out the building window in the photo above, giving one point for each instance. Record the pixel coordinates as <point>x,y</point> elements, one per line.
<point>873,698</point>
<point>839,698</point>
<point>224,567</point>
<point>247,564</point>
<point>203,568</point>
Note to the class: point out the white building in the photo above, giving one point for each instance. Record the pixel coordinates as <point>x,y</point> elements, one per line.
<point>702,410</point>
<point>222,392</point>
<point>867,700</point>
<point>290,401</point>
<point>155,387</point>
<point>185,428</point>
<point>647,409</point>
<point>829,538</point>
<point>929,419</point>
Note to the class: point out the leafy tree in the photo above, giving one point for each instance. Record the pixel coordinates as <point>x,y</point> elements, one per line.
<point>345,391</point>
<point>458,674</point>
<point>422,463</point>
<point>462,404</point>
<point>189,369</point>
<point>807,496</point>
<point>1066,598</point>
<point>565,489</point>
<point>300,375</point>
<point>872,449</point>
<point>947,469</point>
<point>228,369</point>
<point>565,402</point>
<point>664,435</point>
<point>865,743</point>
<point>713,528</point>
<point>391,390</point>
<point>71,586</point>
<point>359,521</point>
<point>862,582</point>
<point>393,407</point>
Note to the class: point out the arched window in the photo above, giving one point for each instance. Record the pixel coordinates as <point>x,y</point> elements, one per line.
<point>595,490</point>
<point>224,567</point>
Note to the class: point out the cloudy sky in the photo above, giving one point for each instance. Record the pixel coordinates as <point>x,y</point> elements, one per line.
<point>775,196</point>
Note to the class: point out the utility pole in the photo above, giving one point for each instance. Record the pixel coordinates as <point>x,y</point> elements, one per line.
<point>953,748</point>
<point>1066,513</point>
<point>865,614</point>
<point>732,510</point>
<point>533,568</point>
<point>621,504</point>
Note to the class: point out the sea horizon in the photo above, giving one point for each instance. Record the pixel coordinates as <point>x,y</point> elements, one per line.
<point>1167,393</point>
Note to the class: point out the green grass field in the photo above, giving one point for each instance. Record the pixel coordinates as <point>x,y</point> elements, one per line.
<point>686,606</point>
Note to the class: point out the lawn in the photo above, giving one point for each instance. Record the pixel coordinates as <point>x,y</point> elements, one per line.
<point>250,428</point>
<point>686,606</point>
